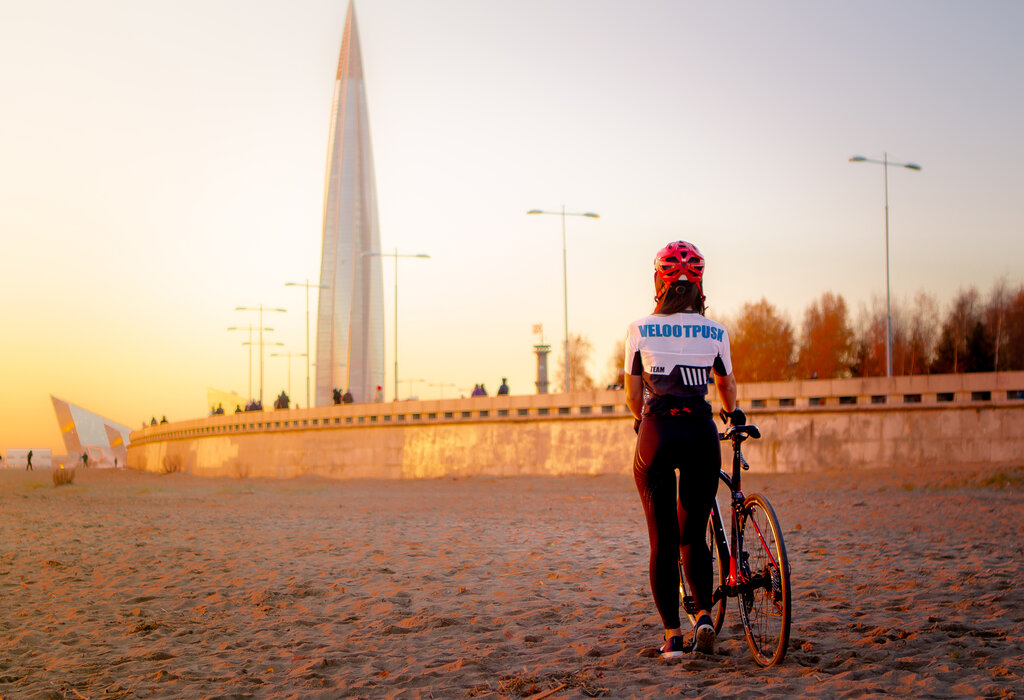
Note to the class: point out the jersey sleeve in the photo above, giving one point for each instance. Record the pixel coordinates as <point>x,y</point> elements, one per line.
<point>632,363</point>
<point>723,363</point>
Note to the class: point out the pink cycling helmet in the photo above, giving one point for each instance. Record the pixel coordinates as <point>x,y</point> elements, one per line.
<point>676,261</point>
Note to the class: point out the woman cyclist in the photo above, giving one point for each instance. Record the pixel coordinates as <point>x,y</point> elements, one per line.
<point>670,356</point>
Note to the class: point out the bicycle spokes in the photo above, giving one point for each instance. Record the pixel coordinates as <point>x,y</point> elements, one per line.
<point>767,549</point>
<point>764,594</point>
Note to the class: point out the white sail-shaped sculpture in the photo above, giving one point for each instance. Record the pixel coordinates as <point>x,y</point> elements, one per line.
<point>350,319</point>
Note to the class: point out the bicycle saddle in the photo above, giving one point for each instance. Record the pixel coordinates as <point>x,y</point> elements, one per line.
<point>749,430</point>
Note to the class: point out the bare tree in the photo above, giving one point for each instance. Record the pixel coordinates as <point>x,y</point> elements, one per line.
<point>580,349</point>
<point>869,347</point>
<point>922,332</point>
<point>1012,353</point>
<point>995,317</point>
<point>614,373</point>
<point>964,315</point>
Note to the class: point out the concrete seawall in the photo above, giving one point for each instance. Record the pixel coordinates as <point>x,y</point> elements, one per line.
<point>922,421</point>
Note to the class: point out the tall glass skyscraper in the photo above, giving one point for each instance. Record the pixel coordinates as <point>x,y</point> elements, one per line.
<point>350,321</point>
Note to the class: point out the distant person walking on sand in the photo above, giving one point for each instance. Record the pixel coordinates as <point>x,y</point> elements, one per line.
<point>503,389</point>
<point>676,430</point>
<point>85,460</point>
<point>28,462</point>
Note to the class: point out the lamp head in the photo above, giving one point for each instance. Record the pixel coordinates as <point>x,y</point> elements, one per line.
<point>858,159</point>
<point>912,166</point>
<point>592,215</point>
<point>535,211</point>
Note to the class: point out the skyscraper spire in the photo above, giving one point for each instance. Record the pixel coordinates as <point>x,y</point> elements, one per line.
<point>350,319</point>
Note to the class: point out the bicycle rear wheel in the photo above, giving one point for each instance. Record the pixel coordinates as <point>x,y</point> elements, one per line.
<point>764,600</point>
<point>719,572</point>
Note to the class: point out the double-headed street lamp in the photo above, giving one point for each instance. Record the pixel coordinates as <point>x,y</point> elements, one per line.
<point>396,255</point>
<point>442,385</point>
<point>290,355</point>
<point>248,328</point>
<point>411,382</point>
<point>565,282</point>
<point>260,309</point>
<point>886,164</point>
<point>266,343</point>
<point>307,285</point>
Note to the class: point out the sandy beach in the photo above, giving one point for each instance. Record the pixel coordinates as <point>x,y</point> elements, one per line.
<point>127,584</point>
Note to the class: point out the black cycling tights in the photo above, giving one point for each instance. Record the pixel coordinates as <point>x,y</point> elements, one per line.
<point>689,444</point>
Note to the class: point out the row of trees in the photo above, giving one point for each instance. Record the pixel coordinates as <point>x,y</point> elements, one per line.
<point>977,334</point>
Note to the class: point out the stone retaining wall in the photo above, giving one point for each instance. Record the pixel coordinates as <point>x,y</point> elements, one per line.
<point>922,421</point>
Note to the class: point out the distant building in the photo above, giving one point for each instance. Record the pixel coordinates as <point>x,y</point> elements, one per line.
<point>350,321</point>
<point>85,432</point>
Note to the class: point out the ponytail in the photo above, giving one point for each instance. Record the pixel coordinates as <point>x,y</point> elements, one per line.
<point>681,296</point>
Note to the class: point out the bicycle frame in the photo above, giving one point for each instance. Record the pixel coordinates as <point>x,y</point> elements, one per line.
<point>739,579</point>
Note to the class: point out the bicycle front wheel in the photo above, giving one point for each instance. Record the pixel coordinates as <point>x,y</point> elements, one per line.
<point>765,597</point>
<point>719,572</point>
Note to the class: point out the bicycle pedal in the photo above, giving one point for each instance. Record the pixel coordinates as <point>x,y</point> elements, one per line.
<point>690,605</point>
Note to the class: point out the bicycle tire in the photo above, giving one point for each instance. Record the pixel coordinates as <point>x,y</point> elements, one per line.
<point>765,600</point>
<point>719,572</point>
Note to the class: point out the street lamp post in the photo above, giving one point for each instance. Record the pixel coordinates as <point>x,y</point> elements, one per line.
<point>886,164</point>
<point>411,382</point>
<point>290,355</point>
<point>565,282</point>
<point>248,328</point>
<point>261,309</point>
<point>396,255</point>
<point>307,285</point>
<point>442,385</point>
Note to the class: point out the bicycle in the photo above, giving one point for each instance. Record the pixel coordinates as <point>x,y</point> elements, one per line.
<point>757,577</point>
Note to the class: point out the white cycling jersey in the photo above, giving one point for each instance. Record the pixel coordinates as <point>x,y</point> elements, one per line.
<point>675,354</point>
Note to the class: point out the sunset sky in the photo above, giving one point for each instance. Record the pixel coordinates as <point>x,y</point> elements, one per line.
<point>162,163</point>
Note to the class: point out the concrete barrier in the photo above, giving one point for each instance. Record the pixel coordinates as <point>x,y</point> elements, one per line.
<point>921,421</point>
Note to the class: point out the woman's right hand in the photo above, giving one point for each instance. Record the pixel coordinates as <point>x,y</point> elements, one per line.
<point>734,417</point>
